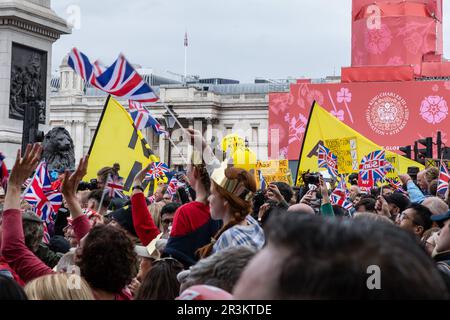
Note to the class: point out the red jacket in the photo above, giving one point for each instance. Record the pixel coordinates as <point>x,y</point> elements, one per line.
<point>143,223</point>
<point>4,266</point>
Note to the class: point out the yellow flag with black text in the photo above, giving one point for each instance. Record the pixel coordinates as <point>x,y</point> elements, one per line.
<point>117,141</point>
<point>348,145</point>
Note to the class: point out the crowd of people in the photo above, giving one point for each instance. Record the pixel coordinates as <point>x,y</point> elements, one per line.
<point>222,237</point>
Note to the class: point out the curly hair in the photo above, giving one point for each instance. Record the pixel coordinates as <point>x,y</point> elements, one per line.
<point>107,259</point>
<point>240,207</point>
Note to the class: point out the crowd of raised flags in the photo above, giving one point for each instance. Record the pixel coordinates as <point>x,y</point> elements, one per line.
<point>372,170</point>
<point>120,80</point>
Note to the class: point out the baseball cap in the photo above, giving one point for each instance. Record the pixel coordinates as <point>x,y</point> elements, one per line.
<point>441,217</point>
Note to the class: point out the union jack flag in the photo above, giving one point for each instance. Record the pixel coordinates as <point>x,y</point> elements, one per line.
<point>396,185</point>
<point>143,119</point>
<point>372,169</point>
<point>79,62</point>
<point>340,196</point>
<point>99,68</point>
<point>114,187</point>
<point>328,160</point>
<point>173,186</point>
<point>444,178</point>
<point>157,171</point>
<point>120,79</point>
<point>41,196</point>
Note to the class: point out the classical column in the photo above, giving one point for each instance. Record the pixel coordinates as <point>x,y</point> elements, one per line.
<point>162,145</point>
<point>78,139</point>
<point>209,130</point>
<point>190,149</point>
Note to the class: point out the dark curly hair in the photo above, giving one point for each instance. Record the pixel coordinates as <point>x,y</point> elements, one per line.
<point>107,259</point>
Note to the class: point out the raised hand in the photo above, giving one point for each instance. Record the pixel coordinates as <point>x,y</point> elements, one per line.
<point>274,193</point>
<point>24,167</point>
<point>139,178</point>
<point>71,181</point>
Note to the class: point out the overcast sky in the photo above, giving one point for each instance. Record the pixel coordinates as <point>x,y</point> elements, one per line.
<point>236,39</point>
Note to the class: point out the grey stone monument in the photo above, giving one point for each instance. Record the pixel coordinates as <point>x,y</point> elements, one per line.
<point>28,28</point>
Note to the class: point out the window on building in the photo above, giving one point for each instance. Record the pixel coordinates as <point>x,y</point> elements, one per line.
<point>229,129</point>
<point>255,135</point>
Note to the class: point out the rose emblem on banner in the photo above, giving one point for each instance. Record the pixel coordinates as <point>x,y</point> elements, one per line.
<point>434,109</point>
<point>378,40</point>
<point>387,113</point>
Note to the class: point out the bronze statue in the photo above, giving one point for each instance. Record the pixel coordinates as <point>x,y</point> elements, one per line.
<point>27,78</point>
<point>59,150</point>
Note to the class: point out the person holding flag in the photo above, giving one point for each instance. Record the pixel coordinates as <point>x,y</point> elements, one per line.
<point>372,169</point>
<point>328,160</point>
<point>444,179</point>
<point>340,196</point>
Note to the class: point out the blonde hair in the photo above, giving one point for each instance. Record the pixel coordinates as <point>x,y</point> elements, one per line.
<point>371,216</point>
<point>57,286</point>
<point>155,210</point>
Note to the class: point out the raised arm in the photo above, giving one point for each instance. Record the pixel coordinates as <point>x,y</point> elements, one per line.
<point>81,225</point>
<point>144,225</point>
<point>14,250</point>
<point>326,208</point>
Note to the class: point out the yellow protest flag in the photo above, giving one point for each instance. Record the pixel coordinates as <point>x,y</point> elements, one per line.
<point>116,140</point>
<point>346,143</point>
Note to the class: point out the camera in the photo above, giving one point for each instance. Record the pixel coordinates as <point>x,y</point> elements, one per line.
<point>92,185</point>
<point>311,178</point>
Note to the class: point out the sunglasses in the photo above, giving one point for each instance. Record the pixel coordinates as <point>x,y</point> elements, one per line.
<point>167,221</point>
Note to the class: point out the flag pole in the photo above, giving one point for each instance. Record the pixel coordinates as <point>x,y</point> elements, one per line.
<point>440,163</point>
<point>185,57</point>
<point>177,149</point>
<point>103,195</point>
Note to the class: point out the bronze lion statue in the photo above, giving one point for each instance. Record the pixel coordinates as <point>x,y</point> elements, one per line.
<point>58,150</point>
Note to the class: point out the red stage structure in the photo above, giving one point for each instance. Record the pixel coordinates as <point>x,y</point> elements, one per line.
<point>397,88</point>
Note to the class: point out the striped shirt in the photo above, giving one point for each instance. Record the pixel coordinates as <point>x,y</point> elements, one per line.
<point>251,235</point>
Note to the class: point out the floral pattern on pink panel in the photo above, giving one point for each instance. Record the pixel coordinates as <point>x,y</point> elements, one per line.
<point>297,127</point>
<point>413,43</point>
<point>338,114</point>
<point>379,40</point>
<point>344,95</point>
<point>279,105</point>
<point>416,36</point>
<point>395,61</point>
<point>315,95</point>
<point>434,109</point>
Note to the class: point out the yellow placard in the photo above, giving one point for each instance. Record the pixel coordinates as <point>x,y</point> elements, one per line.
<point>346,152</point>
<point>275,171</point>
